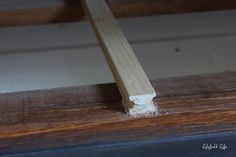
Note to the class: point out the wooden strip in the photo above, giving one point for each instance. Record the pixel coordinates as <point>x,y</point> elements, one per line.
<point>72,11</point>
<point>135,88</point>
<point>92,115</point>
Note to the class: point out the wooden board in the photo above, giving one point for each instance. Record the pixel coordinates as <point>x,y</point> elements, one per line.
<point>134,86</point>
<point>72,11</point>
<point>92,116</point>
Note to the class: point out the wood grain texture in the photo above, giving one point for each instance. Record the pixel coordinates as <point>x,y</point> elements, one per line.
<point>93,115</point>
<point>72,11</point>
<point>133,84</point>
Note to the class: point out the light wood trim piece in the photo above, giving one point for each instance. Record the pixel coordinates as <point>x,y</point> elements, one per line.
<point>134,86</point>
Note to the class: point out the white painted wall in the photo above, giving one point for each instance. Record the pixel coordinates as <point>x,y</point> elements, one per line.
<point>39,57</point>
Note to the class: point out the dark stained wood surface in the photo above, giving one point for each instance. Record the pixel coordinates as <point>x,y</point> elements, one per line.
<point>93,115</point>
<point>72,11</point>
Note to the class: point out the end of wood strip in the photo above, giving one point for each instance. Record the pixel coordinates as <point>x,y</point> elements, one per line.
<point>141,106</point>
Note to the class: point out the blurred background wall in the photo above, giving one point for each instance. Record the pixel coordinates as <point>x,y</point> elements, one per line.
<point>50,56</point>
